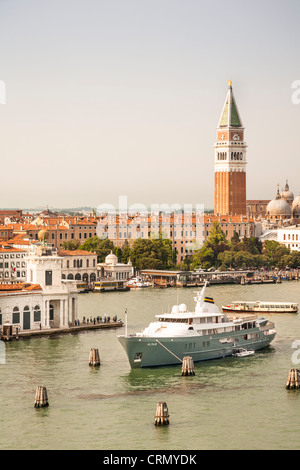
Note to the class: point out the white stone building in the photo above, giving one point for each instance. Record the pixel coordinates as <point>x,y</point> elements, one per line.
<point>44,301</point>
<point>114,270</point>
<point>290,237</point>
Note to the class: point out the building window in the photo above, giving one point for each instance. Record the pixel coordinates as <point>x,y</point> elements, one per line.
<point>51,312</point>
<point>16,315</point>
<point>37,313</point>
<point>48,278</point>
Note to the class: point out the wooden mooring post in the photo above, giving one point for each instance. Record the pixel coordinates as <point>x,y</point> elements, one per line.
<point>41,397</point>
<point>94,358</point>
<point>187,366</point>
<point>162,414</point>
<point>293,380</point>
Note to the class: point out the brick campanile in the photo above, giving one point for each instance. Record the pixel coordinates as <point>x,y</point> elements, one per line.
<point>230,161</point>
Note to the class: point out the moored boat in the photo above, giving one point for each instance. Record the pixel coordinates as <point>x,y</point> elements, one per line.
<point>138,283</point>
<point>261,307</point>
<point>242,352</point>
<point>107,285</point>
<point>82,287</point>
<point>205,333</point>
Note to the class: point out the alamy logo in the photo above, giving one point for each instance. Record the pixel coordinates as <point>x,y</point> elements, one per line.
<point>296,354</point>
<point>296,93</point>
<point>2,92</point>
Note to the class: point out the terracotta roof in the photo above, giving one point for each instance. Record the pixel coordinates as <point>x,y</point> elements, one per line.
<point>21,286</point>
<point>75,253</point>
<point>9,249</point>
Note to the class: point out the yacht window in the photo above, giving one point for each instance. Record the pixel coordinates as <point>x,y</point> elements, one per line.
<point>174,320</point>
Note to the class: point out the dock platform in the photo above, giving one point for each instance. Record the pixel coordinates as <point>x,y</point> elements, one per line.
<point>62,331</point>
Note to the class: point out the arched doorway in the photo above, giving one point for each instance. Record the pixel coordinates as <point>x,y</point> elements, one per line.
<point>26,318</point>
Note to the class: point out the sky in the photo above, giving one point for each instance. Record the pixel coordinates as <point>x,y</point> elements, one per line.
<point>110,98</point>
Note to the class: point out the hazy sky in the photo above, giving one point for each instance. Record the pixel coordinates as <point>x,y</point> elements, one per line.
<point>123,97</point>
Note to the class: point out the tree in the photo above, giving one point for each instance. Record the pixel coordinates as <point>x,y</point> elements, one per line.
<point>70,245</point>
<point>151,254</point>
<point>252,245</point>
<point>125,252</point>
<point>99,246</point>
<point>215,244</point>
<point>275,252</point>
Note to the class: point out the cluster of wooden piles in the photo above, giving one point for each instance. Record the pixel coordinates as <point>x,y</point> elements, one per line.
<point>293,380</point>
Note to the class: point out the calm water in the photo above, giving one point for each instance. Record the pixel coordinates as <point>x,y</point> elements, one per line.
<point>233,403</point>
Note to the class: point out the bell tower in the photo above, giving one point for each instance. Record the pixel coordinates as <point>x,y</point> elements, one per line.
<point>230,161</point>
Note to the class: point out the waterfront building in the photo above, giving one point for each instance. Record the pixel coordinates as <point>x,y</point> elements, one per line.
<point>43,301</point>
<point>113,270</point>
<point>186,232</point>
<point>79,265</point>
<point>230,161</point>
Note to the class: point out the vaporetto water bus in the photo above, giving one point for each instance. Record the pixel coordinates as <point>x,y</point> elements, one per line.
<point>203,334</point>
<point>107,285</point>
<point>261,307</point>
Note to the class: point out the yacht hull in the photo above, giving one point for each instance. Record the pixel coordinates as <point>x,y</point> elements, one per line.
<point>161,351</point>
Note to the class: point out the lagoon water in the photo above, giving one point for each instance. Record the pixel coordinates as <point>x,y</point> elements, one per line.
<point>232,403</point>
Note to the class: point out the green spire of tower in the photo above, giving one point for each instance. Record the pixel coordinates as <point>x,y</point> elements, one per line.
<point>230,115</point>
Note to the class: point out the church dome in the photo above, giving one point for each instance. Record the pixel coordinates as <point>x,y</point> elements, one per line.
<point>111,259</point>
<point>296,207</point>
<point>279,207</point>
<point>287,194</point>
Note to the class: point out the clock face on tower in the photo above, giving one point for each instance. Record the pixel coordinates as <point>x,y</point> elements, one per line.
<point>237,136</point>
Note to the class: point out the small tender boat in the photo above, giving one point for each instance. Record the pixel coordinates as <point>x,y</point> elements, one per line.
<point>244,352</point>
<point>138,283</point>
<point>261,307</point>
